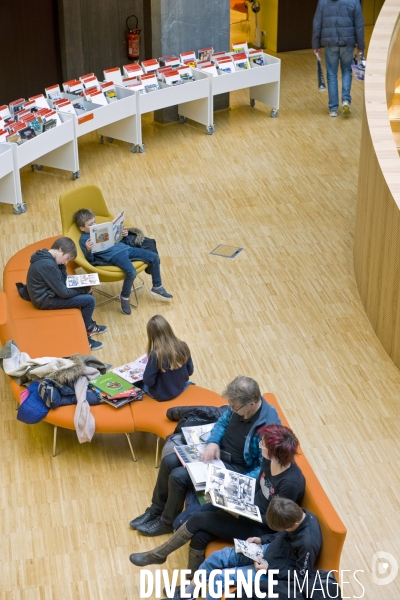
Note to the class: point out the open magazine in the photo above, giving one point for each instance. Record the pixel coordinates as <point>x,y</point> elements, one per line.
<point>197,434</point>
<point>252,551</point>
<point>133,371</point>
<point>190,457</point>
<point>88,279</point>
<point>106,235</point>
<point>233,492</point>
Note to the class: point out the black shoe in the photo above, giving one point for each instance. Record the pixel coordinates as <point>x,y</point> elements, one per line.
<point>155,527</point>
<point>148,515</point>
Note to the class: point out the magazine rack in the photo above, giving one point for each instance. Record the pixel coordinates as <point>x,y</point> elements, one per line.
<point>116,120</point>
<point>263,81</point>
<point>192,98</point>
<point>8,182</point>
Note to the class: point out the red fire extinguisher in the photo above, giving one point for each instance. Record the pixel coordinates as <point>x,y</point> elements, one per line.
<point>132,39</point>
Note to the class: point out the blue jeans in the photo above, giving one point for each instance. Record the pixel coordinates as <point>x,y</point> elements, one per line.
<point>85,302</point>
<point>228,559</point>
<point>334,55</point>
<point>123,261</point>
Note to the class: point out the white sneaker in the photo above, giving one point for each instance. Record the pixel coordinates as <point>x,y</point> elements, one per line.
<point>333,113</point>
<point>346,108</point>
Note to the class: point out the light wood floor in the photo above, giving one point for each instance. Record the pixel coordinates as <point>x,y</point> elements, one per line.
<point>285,311</point>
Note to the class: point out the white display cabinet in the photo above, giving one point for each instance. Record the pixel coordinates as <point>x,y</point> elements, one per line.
<point>263,82</point>
<point>116,120</point>
<point>193,100</point>
<point>8,182</point>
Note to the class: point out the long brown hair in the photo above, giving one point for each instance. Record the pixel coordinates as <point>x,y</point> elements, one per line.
<point>169,350</point>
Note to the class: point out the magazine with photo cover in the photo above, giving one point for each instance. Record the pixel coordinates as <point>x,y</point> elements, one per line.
<point>111,384</point>
<point>133,371</point>
<point>190,457</point>
<point>233,492</point>
<point>106,235</point>
<point>124,398</point>
<point>197,433</point>
<point>252,551</point>
<point>87,279</point>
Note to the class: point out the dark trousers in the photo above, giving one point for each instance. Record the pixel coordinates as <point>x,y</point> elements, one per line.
<point>85,302</point>
<point>211,522</point>
<point>173,483</point>
<point>123,261</point>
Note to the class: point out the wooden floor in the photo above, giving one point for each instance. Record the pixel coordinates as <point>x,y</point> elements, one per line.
<point>285,311</point>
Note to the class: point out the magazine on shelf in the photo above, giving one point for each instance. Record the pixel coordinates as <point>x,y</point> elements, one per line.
<point>53,92</point>
<point>240,47</point>
<point>113,75</point>
<point>205,53</point>
<point>40,101</point>
<point>241,61</point>
<point>87,279</point>
<point>132,70</point>
<point>133,371</point>
<point>106,235</point>
<point>111,384</point>
<point>249,549</point>
<point>233,492</point>
<point>256,57</point>
<point>190,457</point>
<point>5,112</point>
<point>197,434</point>
<point>28,133</point>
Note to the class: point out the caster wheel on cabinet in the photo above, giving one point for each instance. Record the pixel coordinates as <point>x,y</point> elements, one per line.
<point>182,119</point>
<point>252,103</point>
<point>142,148</point>
<point>101,140</point>
<point>76,175</point>
<point>274,113</point>
<point>110,140</point>
<point>133,148</point>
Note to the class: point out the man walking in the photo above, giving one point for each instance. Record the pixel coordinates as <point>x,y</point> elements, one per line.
<point>339,26</point>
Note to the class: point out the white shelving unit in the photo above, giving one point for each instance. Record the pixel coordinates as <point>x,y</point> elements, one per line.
<point>263,82</point>
<point>192,98</point>
<point>117,120</point>
<point>8,183</point>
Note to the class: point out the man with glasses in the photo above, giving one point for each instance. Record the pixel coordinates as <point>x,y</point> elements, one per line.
<point>233,440</point>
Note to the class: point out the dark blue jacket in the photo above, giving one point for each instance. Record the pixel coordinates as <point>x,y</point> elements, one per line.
<point>338,23</point>
<point>167,385</point>
<point>46,280</point>
<point>252,453</point>
<point>106,256</point>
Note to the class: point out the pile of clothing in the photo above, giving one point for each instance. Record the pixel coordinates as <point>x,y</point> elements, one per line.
<point>52,382</point>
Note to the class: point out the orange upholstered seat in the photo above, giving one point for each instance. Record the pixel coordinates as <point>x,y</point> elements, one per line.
<point>149,415</point>
<point>315,500</point>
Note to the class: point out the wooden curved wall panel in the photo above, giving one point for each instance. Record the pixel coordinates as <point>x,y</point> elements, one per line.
<point>377,235</point>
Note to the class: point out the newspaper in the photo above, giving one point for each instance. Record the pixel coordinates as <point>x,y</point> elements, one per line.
<point>88,279</point>
<point>233,492</point>
<point>106,235</point>
<point>253,551</point>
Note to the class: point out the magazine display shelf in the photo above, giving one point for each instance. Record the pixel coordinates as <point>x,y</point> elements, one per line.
<point>55,148</point>
<point>117,120</point>
<point>192,98</point>
<point>263,82</point>
<point>8,183</point>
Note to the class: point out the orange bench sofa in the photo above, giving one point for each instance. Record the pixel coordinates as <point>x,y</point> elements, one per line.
<point>315,500</point>
<point>62,333</point>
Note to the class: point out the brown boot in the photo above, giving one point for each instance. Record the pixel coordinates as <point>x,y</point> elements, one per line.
<point>159,554</point>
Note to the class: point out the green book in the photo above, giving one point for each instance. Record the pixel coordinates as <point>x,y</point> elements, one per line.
<point>111,384</point>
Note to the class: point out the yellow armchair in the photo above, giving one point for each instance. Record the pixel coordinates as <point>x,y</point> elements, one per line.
<point>91,197</point>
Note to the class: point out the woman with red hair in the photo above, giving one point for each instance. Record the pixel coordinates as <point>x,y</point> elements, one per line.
<point>279,475</point>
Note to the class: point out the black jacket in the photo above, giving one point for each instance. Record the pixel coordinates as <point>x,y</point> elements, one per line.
<point>46,280</point>
<point>338,23</point>
<point>294,551</point>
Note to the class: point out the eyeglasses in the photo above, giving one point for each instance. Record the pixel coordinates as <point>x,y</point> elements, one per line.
<point>260,445</point>
<point>236,410</point>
